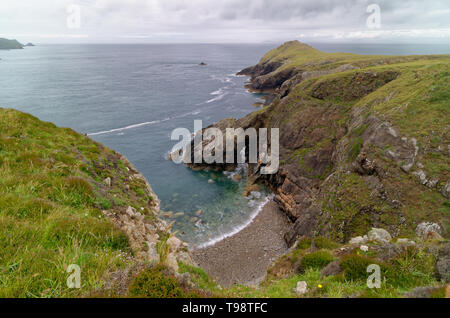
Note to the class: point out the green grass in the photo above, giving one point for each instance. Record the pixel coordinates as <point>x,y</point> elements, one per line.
<point>158,282</point>
<point>51,197</point>
<point>316,260</point>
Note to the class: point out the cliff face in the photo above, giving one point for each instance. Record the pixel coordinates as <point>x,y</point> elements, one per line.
<point>364,140</point>
<point>65,199</point>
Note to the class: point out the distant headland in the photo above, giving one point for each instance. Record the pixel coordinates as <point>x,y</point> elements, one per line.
<point>6,44</point>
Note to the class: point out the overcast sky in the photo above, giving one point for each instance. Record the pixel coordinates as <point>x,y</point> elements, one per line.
<point>114,21</point>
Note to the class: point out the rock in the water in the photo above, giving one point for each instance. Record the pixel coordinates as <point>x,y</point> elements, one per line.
<point>379,235</point>
<point>331,269</point>
<point>199,212</point>
<point>302,288</point>
<point>107,181</point>
<point>428,230</point>
<point>443,263</point>
<point>174,243</point>
<point>237,177</point>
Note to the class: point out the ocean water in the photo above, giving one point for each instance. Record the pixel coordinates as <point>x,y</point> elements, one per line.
<point>131,97</point>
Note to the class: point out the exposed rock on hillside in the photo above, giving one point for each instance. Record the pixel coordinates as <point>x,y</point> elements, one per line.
<point>363,140</point>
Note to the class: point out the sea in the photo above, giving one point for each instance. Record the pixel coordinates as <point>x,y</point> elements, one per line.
<point>131,98</point>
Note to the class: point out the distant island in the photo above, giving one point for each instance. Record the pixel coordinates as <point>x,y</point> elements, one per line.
<point>6,44</point>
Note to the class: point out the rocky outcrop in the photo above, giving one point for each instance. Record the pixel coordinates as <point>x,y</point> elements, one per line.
<point>443,263</point>
<point>145,234</point>
<point>347,163</point>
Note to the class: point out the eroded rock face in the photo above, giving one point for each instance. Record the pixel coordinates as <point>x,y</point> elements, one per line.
<point>305,225</point>
<point>260,69</point>
<point>446,190</point>
<point>443,263</point>
<point>329,137</point>
<point>331,269</point>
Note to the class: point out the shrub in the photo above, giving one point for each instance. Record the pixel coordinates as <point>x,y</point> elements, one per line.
<point>325,243</point>
<point>304,243</point>
<point>103,203</point>
<point>412,268</point>
<point>316,260</point>
<point>156,282</point>
<point>355,266</point>
<point>80,190</point>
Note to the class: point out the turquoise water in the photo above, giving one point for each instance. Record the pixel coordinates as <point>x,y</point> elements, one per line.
<point>130,97</point>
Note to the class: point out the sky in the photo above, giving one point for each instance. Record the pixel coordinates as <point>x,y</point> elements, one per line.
<point>225,21</point>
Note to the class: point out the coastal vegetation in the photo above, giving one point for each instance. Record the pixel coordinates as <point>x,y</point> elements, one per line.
<point>364,178</point>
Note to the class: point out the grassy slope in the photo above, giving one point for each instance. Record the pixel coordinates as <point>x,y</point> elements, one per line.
<point>51,199</point>
<point>416,103</point>
<point>51,218</point>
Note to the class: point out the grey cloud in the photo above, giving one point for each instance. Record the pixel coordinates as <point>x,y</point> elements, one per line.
<point>221,20</point>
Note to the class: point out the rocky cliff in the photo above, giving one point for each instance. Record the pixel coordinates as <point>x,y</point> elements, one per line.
<point>364,140</point>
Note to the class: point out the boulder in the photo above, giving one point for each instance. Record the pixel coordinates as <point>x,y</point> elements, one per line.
<point>387,251</point>
<point>131,211</point>
<point>237,177</point>
<point>379,235</point>
<point>428,230</point>
<point>172,262</point>
<point>302,288</point>
<point>443,263</point>
<point>359,240</point>
<point>405,242</point>
<point>107,181</point>
<point>303,226</point>
<point>152,253</point>
<point>421,292</point>
<point>174,243</point>
<point>331,269</point>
